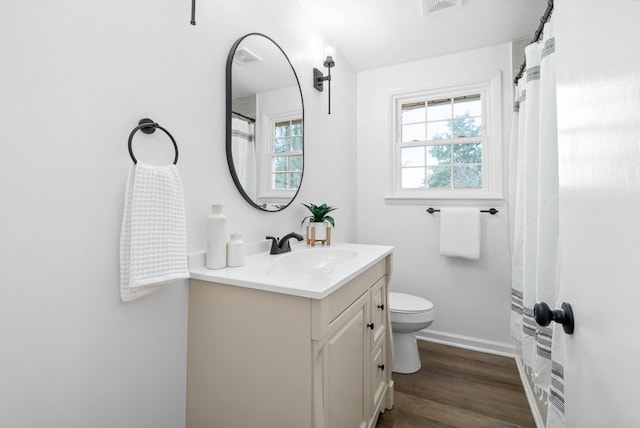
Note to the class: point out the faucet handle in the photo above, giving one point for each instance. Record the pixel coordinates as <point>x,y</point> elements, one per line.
<point>274,245</point>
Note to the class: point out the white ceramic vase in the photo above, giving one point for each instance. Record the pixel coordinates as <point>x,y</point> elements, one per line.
<point>235,251</point>
<point>216,238</point>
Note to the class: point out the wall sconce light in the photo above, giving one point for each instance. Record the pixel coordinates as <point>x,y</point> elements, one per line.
<point>319,78</point>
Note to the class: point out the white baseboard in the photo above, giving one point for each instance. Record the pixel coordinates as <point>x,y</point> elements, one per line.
<point>534,402</point>
<point>467,342</point>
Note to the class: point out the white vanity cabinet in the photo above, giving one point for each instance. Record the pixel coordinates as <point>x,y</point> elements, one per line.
<point>260,358</point>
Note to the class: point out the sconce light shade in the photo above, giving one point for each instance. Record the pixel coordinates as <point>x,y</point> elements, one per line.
<point>319,78</point>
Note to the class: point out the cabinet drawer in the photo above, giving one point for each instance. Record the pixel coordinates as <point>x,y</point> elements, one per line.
<point>325,311</point>
<point>378,374</point>
<point>378,312</point>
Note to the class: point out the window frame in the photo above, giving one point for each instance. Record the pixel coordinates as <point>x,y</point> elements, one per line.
<point>490,90</point>
<point>266,192</point>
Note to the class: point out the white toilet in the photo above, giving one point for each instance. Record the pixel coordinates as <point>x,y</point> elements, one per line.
<point>409,314</point>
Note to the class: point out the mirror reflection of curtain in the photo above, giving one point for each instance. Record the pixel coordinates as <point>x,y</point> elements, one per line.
<point>244,155</point>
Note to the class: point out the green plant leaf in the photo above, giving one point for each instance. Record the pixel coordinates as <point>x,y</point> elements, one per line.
<point>330,220</point>
<point>319,213</point>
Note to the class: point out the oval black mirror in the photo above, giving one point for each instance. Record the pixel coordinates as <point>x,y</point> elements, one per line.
<point>265,123</point>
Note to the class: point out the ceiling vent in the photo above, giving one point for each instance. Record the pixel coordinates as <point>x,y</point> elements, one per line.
<point>431,6</point>
<point>245,56</point>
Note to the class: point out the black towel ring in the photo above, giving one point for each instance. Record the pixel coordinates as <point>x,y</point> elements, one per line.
<point>148,126</point>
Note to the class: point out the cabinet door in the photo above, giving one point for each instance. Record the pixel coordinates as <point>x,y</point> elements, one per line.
<point>346,351</point>
<point>378,311</point>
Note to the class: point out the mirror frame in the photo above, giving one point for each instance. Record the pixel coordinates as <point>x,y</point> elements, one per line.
<point>229,116</point>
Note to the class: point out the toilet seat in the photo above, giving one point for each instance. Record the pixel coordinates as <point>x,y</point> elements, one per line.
<point>408,304</point>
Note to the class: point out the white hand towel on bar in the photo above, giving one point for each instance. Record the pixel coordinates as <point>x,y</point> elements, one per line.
<point>153,238</point>
<point>460,232</point>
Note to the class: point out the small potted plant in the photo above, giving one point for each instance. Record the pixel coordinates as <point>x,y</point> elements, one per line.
<point>317,229</point>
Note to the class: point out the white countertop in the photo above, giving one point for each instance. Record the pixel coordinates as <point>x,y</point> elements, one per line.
<point>294,276</point>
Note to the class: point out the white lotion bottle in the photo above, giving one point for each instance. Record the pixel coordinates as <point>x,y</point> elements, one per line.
<point>216,238</point>
<point>235,251</point>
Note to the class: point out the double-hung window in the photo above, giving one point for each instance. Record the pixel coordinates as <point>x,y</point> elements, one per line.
<point>286,157</point>
<point>448,143</point>
<point>281,160</point>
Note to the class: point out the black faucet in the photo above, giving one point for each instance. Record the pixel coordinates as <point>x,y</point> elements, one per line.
<point>279,246</point>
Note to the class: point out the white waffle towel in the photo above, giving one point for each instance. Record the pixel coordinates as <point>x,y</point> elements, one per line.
<point>460,232</point>
<point>153,239</point>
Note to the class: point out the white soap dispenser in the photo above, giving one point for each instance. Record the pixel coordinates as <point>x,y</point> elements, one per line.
<point>216,238</point>
<point>235,251</point>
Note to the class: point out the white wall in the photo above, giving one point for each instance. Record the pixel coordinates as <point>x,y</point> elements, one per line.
<point>471,298</point>
<point>76,77</point>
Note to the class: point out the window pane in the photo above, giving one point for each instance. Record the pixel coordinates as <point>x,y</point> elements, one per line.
<point>283,129</point>
<point>467,176</point>
<point>413,132</point>
<point>296,143</point>
<point>438,155</point>
<point>438,130</point>
<point>412,113</point>
<point>295,163</point>
<point>467,106</point>
<point>413,178</point>
<point>439,176</point>
<point>279,181</point>
<point>467,127</point>
<point>413,156</point>
<point>439,110</point>
<point>296,127</point>
<point>294,180</point>
<point>281,145</point>
<point>467,153</point>
<point>280,163</point>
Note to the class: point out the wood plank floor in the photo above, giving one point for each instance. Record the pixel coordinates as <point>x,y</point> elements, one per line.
<point>458,388</point>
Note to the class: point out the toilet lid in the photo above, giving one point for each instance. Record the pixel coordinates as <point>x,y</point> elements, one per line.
<point>406,303</point>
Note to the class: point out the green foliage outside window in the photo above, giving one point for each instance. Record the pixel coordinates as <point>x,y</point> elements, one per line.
<point>466,153</point>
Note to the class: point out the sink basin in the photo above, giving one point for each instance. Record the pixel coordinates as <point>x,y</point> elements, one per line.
<point>314,259</point>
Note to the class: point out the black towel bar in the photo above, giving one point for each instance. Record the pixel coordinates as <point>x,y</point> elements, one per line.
<point>491,211</point>
<point>148,126</point>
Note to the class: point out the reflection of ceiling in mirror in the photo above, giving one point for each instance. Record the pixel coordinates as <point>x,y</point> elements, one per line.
<point>271,70</point>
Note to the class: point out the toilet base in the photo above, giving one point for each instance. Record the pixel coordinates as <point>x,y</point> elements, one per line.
<point>405,347</point>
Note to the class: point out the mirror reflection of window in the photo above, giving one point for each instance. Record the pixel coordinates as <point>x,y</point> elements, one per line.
<point>286,169</point>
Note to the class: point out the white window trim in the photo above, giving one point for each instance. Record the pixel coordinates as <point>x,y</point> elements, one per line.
<point>265,193</point>
<point>492,190</point>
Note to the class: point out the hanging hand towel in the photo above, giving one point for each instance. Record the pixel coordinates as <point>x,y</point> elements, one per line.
<point>460,232</point>
<point>153,239</point>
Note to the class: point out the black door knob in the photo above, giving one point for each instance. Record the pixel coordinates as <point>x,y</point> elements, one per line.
<point>371,326</point>
<point>544,315</point>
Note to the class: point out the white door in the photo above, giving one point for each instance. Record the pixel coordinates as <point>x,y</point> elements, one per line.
<point>598,75</point>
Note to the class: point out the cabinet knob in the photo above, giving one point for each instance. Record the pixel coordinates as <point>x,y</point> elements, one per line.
<point>381,367</point>
<point>371,326</point>
<point>381,307</point>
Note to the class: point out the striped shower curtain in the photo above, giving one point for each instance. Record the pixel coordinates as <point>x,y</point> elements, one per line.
<point>534,221</point>
<point>244,155</point>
